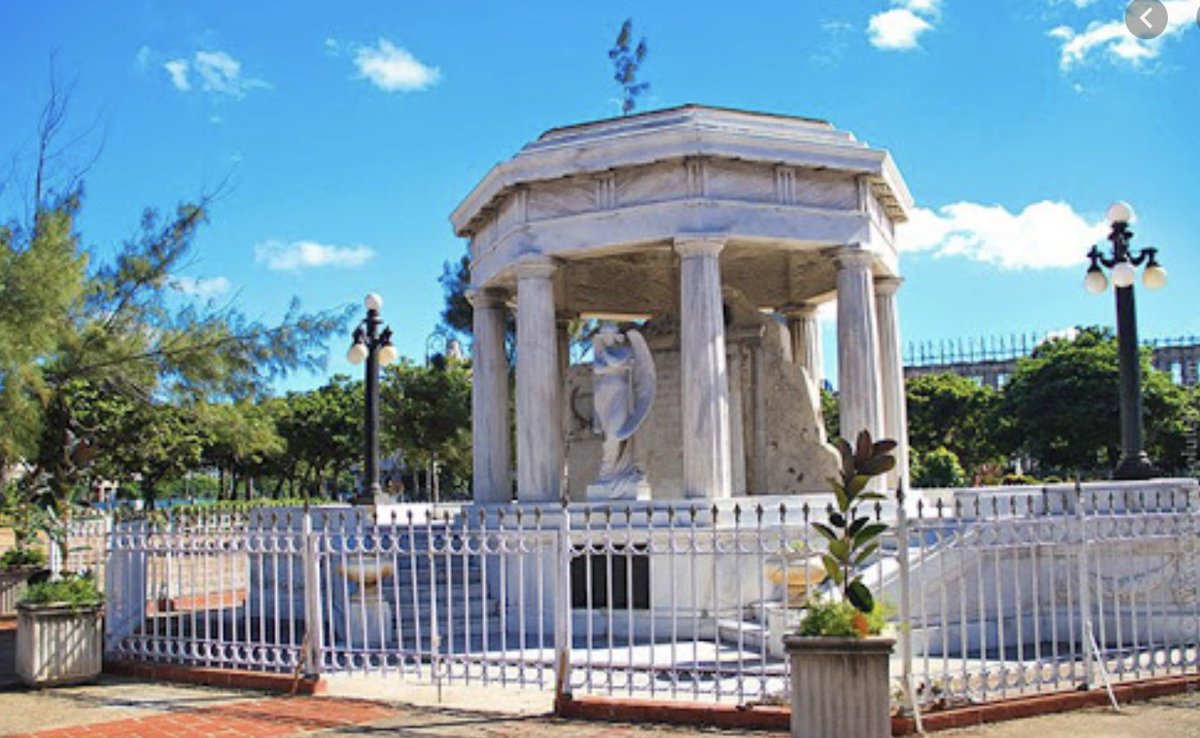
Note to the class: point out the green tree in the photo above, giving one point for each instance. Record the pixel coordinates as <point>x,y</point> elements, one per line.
<point>1064,408</point>
<point>152,442</point>
<point>322,430</point>
<point>937,468</point>
<point>830,413</point>
<point>426,414</point>
<point>119,332</point>
<point>457,315</point>
<point>955,413</point>
<point>244,444</point>
<point>41,279</point>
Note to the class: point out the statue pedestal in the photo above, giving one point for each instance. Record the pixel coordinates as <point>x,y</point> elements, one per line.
<point>628,489</point>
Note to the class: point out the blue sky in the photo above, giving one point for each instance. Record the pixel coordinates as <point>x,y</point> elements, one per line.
<point>350,130</point>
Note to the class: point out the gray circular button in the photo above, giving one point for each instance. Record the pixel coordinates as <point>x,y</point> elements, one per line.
<point>1146,19</point>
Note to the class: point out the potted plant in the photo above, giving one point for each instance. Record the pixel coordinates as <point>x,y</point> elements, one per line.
<point>839,664</point>
<point>60,633</point>
<point>17,566</point>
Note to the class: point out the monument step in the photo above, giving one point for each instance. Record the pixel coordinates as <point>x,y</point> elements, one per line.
<point>744,634</point>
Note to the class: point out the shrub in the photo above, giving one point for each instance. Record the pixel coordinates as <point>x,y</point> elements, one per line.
<point>840,619</point>
<point>76,590</point>
<point>22,556</point>
<point>938,468</point>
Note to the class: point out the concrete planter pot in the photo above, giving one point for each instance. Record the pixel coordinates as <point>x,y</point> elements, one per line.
<point>840,686</point>
<point>59,644</point>
<point>13,582</point>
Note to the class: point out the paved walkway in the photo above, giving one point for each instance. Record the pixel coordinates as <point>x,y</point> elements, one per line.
<point>124,707</point>
<point>119,708</point>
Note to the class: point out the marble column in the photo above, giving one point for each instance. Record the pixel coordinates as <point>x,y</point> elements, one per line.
<point>707,456</point>
<point>805,336</point>
<point>539,433</point>
<point>891,374</point>
<point>490,456</point>
<point>860,401</point>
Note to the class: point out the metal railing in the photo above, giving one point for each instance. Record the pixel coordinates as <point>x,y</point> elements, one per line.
<point>994,593</point>
<point>1041,590</point>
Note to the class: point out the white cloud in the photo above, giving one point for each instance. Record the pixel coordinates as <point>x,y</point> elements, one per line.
<point>897,29</point>
<point>218,72</point>
<point>201,287</point>
<point>1045,234</point>
<point>392,68</point>
<point>297,255</point>
<point>144,54</point>
<point>1068,334</point>
<point>1112,40</point>
<point>900,28</point>
<point>930,7</point>
<point>178,69</point>
<point>835,34</point>
<point>222,74</point>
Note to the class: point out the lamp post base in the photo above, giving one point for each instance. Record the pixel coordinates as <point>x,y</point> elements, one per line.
<point>1135,467</point>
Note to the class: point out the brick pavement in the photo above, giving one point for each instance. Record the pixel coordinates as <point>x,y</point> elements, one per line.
<point>272,717</point>
<point>233,715</point>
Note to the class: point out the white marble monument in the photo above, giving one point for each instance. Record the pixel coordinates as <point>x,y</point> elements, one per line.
<point>721,232</point>
<point>623,388</point>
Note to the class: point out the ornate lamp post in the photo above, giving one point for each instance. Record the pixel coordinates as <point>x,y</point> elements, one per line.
<point>1134,463</point>
<point>375,347</point>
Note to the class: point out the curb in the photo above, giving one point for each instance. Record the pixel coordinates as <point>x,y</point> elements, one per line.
<point>1045,704</point>
<point>777,718</point>
<point>254,680</point>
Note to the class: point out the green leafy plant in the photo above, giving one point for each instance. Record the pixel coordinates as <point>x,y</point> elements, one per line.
<point>939,468</point>
<point>76,590</point>
<point>850,532</point>
<point>840,619</point>
<point>22,556</point>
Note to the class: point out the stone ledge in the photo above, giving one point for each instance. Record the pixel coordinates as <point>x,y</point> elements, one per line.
<point>1044,704</point>
<point>207,676</point>
<point>766,717</point>
<point>776,718</point>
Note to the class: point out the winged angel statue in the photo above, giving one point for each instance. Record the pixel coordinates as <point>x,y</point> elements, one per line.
<point>623,388</point>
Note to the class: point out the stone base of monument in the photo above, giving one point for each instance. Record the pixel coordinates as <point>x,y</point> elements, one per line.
<point>620,490</point>
<point>840,686</point>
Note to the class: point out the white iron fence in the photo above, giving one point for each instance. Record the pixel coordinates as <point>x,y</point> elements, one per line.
<point>994,593</point>
<point>1046,590</point>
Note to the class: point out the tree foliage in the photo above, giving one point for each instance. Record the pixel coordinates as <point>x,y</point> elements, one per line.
<point>938,468</point>
<point>426,414</point>
<point>457,314</point>
<point>1064,405</point>
<point>323,433</point>
<point>955,413</point>
<point>87,335</point>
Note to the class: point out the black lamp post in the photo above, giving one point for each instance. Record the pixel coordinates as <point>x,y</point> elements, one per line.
<point>375,347</point>
<point>1134,463</point>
